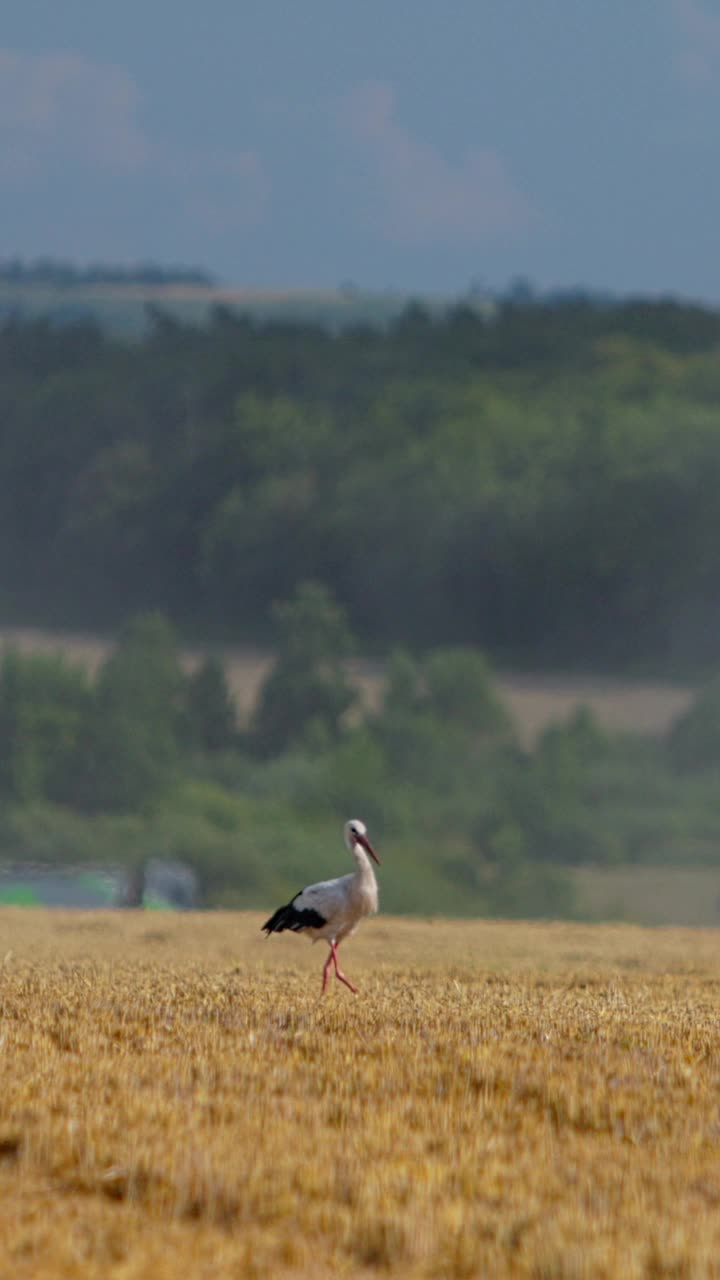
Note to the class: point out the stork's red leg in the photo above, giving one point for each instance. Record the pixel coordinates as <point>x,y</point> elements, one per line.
<point>338,971</point>
<point>326,970</point>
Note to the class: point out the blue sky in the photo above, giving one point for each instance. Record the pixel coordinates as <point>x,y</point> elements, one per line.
<point>412,144</point>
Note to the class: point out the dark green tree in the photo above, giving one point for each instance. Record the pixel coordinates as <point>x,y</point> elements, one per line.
<point>210,718</point>
<point>44,708</point>
<point>403,691</point>
<point>694,737</point>
<point>307,690</point>
<point>130,753</point>
<point>460,690</point>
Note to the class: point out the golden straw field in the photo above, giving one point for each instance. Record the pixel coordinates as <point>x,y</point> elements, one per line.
<point>500,1100</point>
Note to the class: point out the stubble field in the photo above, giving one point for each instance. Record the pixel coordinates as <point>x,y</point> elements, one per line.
<point>499,1100</point>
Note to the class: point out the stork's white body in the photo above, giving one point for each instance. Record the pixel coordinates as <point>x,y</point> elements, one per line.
<point>343,902</point>
<point>332,909</point>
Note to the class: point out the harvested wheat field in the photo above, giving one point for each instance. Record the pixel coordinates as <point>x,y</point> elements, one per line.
<point>500,1100</point>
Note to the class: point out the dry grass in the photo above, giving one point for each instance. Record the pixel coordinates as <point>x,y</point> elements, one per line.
<point>688,896</point>
<point>633,706</point>
<point>501,1100</point>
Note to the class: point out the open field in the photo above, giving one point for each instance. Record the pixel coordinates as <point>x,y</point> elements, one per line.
<point>500,1100</point>
<point>534,700</point>
<point>650,895</point>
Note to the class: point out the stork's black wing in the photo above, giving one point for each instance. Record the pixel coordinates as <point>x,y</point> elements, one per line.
<point>295,918</point>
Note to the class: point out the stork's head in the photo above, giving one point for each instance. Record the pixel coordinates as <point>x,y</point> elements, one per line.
<point>356,834</point>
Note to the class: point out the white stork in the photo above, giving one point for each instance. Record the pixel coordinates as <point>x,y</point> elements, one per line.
<point>333,909</point>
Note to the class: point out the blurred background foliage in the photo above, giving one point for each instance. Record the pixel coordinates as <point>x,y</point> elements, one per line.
<point>538,480</point>
<point>536,486</point>
<point>148,760</point>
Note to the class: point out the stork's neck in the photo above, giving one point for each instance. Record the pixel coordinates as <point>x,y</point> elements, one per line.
<point>364,885</point>
<point>364,865</point>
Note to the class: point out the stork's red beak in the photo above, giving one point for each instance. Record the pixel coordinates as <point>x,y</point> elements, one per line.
<point>363,840</point>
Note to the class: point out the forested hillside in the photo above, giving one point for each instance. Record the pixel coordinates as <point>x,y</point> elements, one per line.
<point>541,482</point>
<point>539,485</point>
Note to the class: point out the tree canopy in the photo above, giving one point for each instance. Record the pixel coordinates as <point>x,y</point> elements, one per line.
<point>146,757</point>
<point>540,481</point>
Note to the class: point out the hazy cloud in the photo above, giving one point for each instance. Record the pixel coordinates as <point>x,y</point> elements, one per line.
<point>698,55</point>
<point>60,106</point>
<point>415,193</point>
<point>60,112</point>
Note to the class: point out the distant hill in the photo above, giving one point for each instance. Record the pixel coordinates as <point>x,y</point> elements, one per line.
<point>124,309</point>
<point>121,299</point>
<point>66,275</point>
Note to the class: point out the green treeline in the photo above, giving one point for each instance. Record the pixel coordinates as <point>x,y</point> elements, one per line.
<point>56,273</point>
<point>148,759</point>
<point>540,481</point>
<point>537,483</point>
